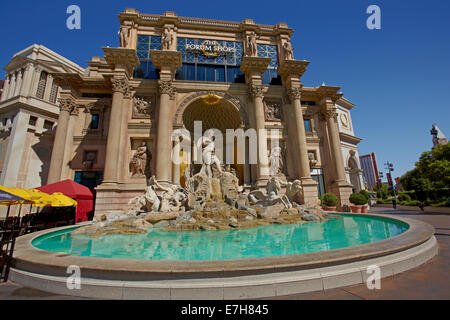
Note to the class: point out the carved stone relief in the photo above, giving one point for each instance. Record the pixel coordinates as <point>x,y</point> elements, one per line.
<point>143,107</point>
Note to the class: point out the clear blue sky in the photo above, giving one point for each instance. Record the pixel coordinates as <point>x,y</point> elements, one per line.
<point>397,77</point>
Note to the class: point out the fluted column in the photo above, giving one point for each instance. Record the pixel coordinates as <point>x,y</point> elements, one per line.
<point>330,115</point>
<point>12,85</point>
<point>163,139</point>
<point>340,186</point>
<point>120,88</point>
<point>18,82</point>
<point>6,87</point>
<point>66,106</point>
<point>302,150</point>
<point>256,92</point>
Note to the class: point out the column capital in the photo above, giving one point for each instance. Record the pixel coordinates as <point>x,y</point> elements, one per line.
<point>67,104</point>
<point>167,87</point>
<point>329,113</point>
<point>256,90</point>
<point>120,84</point>
<point>293,93</point>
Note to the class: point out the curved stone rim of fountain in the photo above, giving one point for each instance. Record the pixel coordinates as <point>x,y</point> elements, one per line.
<point>48,271</point>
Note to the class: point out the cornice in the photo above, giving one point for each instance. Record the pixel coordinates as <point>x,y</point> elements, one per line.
<point>349,138</point>
<point>166,58</point>
<point>251,64</point>
<point>294,68</point>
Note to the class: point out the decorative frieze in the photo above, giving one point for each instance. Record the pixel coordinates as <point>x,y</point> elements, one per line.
<point>167,87</point>
<point>143,107</point>
<point>272,109</point>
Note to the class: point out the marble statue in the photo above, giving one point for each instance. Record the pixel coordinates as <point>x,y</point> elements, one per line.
<point>252,48</point>
<point>288,51</point>
<point>138,164</point>
<point>209,158</point>
<point>171,196</point>
<point>124,36</point>
<point>294,191</point>
<point>276,161</point>
<point>167,39</point>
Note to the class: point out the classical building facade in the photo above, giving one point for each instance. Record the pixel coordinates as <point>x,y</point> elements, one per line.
<point>28,115</point>
<point>123,119</point>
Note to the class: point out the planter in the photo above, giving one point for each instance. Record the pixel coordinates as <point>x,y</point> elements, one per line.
<point>356,209</point>
<point>365,209</point>
<point>326,208</point>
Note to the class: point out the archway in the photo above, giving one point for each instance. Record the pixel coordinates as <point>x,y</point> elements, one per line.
<point>216,114</point>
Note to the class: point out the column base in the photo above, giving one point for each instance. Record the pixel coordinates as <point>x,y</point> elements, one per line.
<point>343,190</point>
<point>310,192</point>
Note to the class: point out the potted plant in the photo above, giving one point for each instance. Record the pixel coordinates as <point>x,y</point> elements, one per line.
<point>329,202</point>
<point>365,207</point>
<point>358,200</point>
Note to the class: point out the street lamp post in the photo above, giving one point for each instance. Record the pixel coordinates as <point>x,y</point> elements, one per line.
<point>390,167</point>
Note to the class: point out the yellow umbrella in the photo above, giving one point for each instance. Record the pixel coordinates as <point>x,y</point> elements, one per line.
<point>22,193</point>
<point>41,199</point>
<point>62,200</point>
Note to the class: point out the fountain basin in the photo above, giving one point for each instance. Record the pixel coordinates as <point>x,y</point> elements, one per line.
<point>123,278</point>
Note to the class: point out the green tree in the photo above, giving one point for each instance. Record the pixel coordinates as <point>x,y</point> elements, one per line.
<point>432,173</point>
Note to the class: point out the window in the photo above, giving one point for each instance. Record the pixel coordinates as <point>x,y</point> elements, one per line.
<point>317,175</point>
<point>307,125</point>
<point>94,121</point>
<point>53,92</point>
<point>41,85</point>
<point>48,125</point>
<point>32,121</point>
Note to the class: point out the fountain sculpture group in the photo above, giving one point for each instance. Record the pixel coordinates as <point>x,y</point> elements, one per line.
<point>212,199</point>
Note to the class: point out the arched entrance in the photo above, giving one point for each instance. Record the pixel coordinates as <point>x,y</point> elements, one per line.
<point>216,114</point>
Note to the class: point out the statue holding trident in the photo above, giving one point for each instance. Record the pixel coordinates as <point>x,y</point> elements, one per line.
<point>209,157</point>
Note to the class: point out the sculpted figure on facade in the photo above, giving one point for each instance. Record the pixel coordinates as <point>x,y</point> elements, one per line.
<point>252,47</point>
<point>139,163</point>
<point>142,107</point>
<point>124,36</point>
<point>288,51</point>
<point>209,158</point>
<point>272,110</point>
<point>276,161</point>
<point>167,39</point>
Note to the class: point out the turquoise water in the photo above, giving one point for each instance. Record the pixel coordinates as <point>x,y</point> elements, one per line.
<point>267,241</point>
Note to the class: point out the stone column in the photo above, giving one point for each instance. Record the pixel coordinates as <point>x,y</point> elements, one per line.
<point>167,62</point>
<point>18,83</point>
<point>254,67</point>
<point>12,85</point>
<point>66,106</point>
<point>120,88</point>
<point>256,92</point>
<point>340,186</point>
<point>310,191</point>
<point>6,87</point>
<point>291,71</point>
<point>15,150</point>
<point>124,144</point>
<point>163,135</point>
<point>27,80</point>
<point>73,118</point>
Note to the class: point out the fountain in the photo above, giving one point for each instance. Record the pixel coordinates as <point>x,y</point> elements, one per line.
<point>213,239</point>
